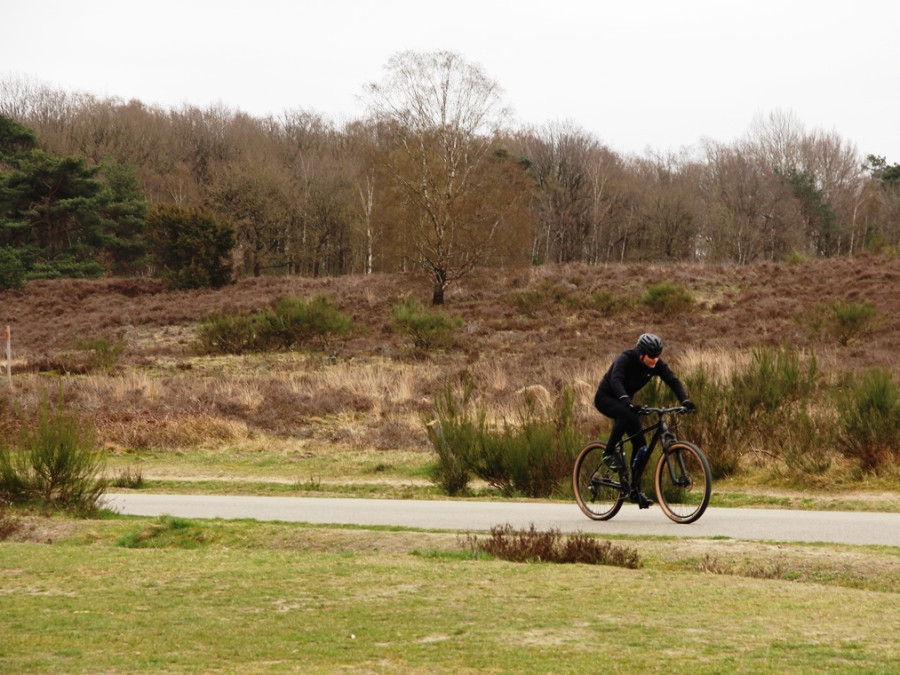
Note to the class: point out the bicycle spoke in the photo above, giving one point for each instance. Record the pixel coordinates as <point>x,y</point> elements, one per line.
<point>683,482</point>
<point>598,494</point>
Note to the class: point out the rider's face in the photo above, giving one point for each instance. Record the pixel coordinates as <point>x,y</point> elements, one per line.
<point>649,361</point>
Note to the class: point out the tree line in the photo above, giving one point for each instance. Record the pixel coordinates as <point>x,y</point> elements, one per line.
<point>434,178</point>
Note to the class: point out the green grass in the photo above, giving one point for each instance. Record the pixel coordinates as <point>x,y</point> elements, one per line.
<point>240,596</point>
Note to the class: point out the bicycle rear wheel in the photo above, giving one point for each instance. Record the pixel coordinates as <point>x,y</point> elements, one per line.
<point>597,488</point>
<point>683,482</point>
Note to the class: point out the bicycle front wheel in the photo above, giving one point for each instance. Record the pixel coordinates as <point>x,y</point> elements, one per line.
<point>683,482</point>
<point>597,489</point>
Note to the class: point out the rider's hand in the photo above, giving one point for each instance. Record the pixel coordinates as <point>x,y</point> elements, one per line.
<point>635,408</point>
<point>688,405</point>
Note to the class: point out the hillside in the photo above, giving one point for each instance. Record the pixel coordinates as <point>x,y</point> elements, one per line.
<point>541,328</point>
<point>736,307</point>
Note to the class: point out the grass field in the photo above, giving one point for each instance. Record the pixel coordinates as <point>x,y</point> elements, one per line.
<point>125,595</point>
<point>170,595</point>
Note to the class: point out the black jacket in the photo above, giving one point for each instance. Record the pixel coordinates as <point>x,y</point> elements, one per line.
<point>627,375</point>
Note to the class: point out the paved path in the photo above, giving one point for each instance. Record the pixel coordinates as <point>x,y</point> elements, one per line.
<point>760,524</point>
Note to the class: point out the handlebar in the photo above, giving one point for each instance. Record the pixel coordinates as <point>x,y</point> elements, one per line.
<point>681,410</point>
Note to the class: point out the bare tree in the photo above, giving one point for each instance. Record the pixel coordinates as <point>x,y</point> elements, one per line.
<point>838,173</point>
<point>667,212</point>
<point>444,115</point>
<point>560,157</point>
<point>775,140</point>
<point>747,207</point>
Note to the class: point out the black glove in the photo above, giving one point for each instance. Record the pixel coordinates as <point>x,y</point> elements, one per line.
<point>635,408</point>
<point>688,405</point>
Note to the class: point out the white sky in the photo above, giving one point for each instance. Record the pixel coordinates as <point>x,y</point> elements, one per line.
<point>644,75</point>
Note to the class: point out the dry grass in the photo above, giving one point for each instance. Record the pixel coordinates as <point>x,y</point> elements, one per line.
<point>374,393</point>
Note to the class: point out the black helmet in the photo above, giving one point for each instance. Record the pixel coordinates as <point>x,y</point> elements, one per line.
<point>649,344</point>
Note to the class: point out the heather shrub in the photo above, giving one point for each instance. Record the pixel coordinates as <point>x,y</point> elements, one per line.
<point>94,355</point>
<point>428,328</point>
<point>9,525</point>
<point>532,545</point>
<point>869,419</point>
<point>547,294</point>
<point>53,462</point>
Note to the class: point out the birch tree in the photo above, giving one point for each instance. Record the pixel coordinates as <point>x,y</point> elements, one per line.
<point>444,115</point>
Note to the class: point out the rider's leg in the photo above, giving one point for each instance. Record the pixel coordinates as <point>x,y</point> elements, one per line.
<point>639,458</point>
<point>624,421</point>
<point>610,455</point>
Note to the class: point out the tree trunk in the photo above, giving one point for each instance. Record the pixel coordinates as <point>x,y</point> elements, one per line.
<point>440,283</point>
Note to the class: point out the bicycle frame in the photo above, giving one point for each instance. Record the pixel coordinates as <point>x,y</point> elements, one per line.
<point>662,435</point>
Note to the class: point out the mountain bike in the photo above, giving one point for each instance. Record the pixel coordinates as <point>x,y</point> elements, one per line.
<point>682,479</point>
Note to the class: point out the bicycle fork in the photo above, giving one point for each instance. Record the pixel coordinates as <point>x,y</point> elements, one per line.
<point>678,472</point>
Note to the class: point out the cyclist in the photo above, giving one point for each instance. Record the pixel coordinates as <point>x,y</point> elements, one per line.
<point>630,371</point>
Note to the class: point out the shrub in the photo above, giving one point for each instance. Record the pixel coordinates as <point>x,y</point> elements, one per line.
<point>533,546</point>
<point>804,444</point>
<point>841,320</point>
<point>667,297</point>
<point>102,355</point>
<point>532,457</point>
<point>608,303</point>
<point>9,525</point>
<point>774,379</point>
<point>130,478</point>
<point>296,321</point>
<point>54,463</point>
<point>540,450</point>
<point>795,258</point>
<point>292,323</point>
<point>428,329</point>
<point>869,419</point>
<point>226,334</point>
<point>754,409</point>
<point>851,320</point>
<point>547,294</point>
<point>454,437</point>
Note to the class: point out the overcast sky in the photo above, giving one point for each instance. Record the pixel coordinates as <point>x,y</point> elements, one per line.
<point>654,75</point>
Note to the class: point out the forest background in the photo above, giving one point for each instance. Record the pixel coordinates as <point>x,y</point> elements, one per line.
<point>433,180</point>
